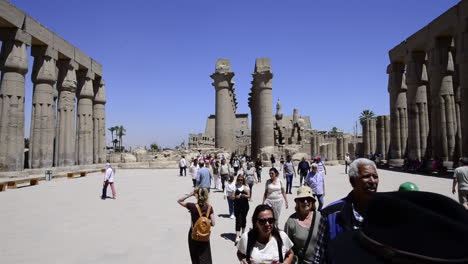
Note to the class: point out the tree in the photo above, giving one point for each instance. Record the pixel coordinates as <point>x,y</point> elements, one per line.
<point>155,147</point>
<point>112,129</point>
<point>120,133</point>
<point>366,114</point>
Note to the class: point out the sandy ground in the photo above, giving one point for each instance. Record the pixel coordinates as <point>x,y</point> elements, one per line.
<point>65,221</point>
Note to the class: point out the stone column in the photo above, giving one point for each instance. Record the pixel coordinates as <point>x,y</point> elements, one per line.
<point>99,123</point>
<point>323,151</point>
<point>366,137</point>
<point>418,118</point>
<point>397,89</point>
<point>14,65</point>
<point>66,135</point>
<point>262,90</point>
<point>462,61</point>
<point>442,99</point>
<point>44,76</point>
<point>339,148</point>
<point>224,125</point>
<point>346,141</point>
<point>85,117</point>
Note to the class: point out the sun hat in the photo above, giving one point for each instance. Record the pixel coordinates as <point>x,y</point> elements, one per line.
<point>406,227</point>
<point>408,186</point>
<point>304,192</point>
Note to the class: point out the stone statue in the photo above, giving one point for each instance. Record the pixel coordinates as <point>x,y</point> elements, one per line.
<point>279,113</point>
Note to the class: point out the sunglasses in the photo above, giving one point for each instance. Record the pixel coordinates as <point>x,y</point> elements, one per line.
<point>263,221</point>
<point>302,200</point>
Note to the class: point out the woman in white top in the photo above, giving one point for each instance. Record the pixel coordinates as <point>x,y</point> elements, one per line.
<point>251,176</point>
<point>228,190</point>
<point>108,180</point>
<point>274,193</point>
<point>265,243</point>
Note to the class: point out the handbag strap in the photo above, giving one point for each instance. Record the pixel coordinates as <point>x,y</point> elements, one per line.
<point>311,230</point>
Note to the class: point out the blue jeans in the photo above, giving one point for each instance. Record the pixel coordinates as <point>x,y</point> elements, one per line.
<point>231,205</point>
<point>259,175</point>
<point>320,200</point>
<point>289,179</point>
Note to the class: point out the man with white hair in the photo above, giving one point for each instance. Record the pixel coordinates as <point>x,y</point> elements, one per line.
<point>347,214</point>
<point>109,180</point>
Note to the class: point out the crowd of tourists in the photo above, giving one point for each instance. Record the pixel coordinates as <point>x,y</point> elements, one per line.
<point>363,227</point>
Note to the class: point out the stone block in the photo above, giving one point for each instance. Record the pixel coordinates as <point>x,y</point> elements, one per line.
<point>15,34</point>
<point>82,59</point>
<point>262,65</point>
<point>48,51</point>
<point>65,49</point>
<point>11,14</point>
<point>41,35</point>
<point>96,67</point>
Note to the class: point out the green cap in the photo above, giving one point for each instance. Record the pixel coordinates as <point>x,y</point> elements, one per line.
<point>408,186</point>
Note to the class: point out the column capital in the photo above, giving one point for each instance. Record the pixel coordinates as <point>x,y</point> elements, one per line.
<point>85,78</point>
<point>67,75</point>
<point>440,55</point>
<point>100,97</point>
<point>15,34</point>
<point>44,67</point>
<point>416,72</point>
<point>396,77</point>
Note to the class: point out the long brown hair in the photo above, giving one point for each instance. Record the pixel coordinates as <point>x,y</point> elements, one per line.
<point>202,196</point>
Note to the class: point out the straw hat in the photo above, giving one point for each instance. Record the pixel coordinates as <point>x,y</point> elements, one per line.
<point>304,192</point>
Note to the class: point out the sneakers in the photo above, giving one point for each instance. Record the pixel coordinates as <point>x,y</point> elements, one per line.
<point>237,241</point>
<point>232,216</point>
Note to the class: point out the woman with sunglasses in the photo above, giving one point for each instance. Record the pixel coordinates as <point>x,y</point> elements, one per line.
<point>274,193</point>
<point>240,197</point>
<point>265,243</point>
<point>302,226</point>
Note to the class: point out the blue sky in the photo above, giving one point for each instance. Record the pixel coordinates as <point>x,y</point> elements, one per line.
<point>328,57</point>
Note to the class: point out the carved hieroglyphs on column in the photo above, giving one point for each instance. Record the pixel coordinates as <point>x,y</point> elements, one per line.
<point>99,122</point>
<point>85,117</point>
<point>225,105</point>
<point>14,66</point>
<point>398,113</point>
<point>44,76</point>
<point>261,106</point>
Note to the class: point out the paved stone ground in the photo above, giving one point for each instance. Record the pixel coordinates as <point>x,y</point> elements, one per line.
<point>65,221</point>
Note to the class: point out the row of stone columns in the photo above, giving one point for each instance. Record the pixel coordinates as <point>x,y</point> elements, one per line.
<point>54,141</point>
<point>260,103</point>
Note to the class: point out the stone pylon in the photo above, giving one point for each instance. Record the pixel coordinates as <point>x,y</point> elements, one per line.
<point>443,125</point>
<point>66,132</point>
<point>383,135</point>
<point>99,122</point>
<point>84,142</point>
<point>418,116</point>
<point>261,106</point>
<point>225,105</point>
<point>398,110</point>
<point>44,76</point>
<point>14,65</point>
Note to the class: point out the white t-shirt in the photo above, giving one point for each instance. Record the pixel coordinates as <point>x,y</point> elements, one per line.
<point>229,188</point>
<point>183,163</point>
<point>109,175</point>
<point>265,253</point>
<point>274,191</point>
<point>194,171</point>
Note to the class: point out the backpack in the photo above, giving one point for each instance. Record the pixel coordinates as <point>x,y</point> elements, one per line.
<point>202,228</point>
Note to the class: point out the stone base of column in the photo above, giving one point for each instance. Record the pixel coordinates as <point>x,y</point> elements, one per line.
<point>396,162</point>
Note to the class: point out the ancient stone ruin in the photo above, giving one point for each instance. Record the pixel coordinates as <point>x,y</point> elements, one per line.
<point>62,77</point>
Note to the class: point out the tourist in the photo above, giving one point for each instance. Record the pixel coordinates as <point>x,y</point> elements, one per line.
<point>251,176</point>
<point>224,172</point>
<point>258,168</point>
<point>321,166</point>
<point>194,171</point>
<point>230,188</point>
<point>200,252</point>
<point>274,193</point>
<point>265,243</point>
<point>347,160</point>
<point>316,182</point>
<point>273,160</point>
<point>303,168</point>
<point>406,227</point>
<point>109,180</point>
<point>241,197</point>
<point>281,162</point>
<point>460,177</point>
<point>235,164</point>
<point>204,177</point>
<point>216,177</point>
<point>183,166</point>
<point>289,173</point>
<point>302,226</point>
<point>347,214</point>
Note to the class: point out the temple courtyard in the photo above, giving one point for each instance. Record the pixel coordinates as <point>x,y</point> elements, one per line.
<point>65,221</point>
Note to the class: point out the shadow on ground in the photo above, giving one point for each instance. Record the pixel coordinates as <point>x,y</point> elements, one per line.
<point>229,236</point>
